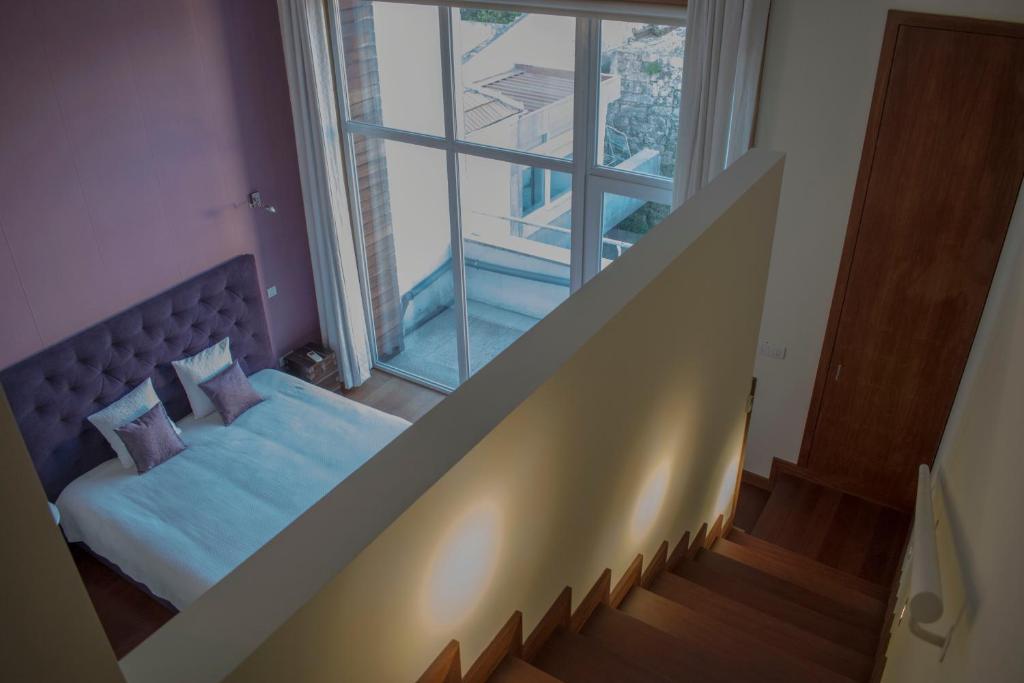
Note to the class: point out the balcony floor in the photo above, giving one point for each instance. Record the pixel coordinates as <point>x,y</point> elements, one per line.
<point>431,350</point>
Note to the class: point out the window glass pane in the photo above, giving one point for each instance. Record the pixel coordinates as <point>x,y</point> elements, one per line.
<point>403,200</point>
<point>517,257</point>
<point>393,65</point>
<point>517,77</point>
<point>638,114</point>
<point>624,220</point>
<point>560,183</point>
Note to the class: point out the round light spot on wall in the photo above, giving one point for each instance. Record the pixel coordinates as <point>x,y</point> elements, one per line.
<point>650,500</point>
<point>463,565</point>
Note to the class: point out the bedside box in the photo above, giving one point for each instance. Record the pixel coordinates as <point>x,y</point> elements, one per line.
<point>322,372</point>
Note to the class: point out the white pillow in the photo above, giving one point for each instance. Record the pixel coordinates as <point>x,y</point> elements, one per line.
<point>195,370</point>
<point>122,411</point>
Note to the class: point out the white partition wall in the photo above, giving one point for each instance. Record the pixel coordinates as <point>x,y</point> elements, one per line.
<point>45,606</point>
<point>614,424</point>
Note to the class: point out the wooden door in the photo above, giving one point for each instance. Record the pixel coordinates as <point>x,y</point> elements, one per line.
<point>939,177</point>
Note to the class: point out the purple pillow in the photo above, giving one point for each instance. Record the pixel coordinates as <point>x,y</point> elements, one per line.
<point>151,439</point>
<point>230,392</point>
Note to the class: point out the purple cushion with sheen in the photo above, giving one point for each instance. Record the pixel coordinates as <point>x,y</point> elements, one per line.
<point>151,439</point>
<point>231,393</point>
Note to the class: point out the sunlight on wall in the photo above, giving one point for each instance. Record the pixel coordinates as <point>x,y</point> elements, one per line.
<point>463,565</point>
<point>727,487</point>
<point>731,472</point>
<point>650,500</point>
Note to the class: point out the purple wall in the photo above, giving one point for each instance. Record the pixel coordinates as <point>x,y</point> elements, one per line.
<point>130,134</point>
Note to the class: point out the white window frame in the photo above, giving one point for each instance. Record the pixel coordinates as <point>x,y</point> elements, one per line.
<point>597,187</point>
<point>590,180</point>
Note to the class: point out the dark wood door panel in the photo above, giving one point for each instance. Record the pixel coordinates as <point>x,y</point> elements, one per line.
<point>944,175</point>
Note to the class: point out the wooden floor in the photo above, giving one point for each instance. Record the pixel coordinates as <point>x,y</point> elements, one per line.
<point>835,528</point>
<point>391,394</point>
<point>129,615</point>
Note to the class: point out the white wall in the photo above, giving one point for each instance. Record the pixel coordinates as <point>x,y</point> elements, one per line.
<point>819,74</point>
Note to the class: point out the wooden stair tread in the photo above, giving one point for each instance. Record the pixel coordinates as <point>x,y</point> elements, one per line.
<point>749,504</point>
<point>717,650</point>
<point>783,499</point>
<point>661,652</point>
<point>809,574</point>
<point>515,670</point>
<point>798,514</point>
<point>715,608</point>
<point>733,608</point>
<point>886,547</point>
<point>573,658</point>
<point>809,517</point>
<point>781,607</point>
<point>867,615</point>
<point>838,576</point>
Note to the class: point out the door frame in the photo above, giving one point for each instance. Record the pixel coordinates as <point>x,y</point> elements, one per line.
<point>895,19</point>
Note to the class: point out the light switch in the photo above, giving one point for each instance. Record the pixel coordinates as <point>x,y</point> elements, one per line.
<point>272,292</point>
<point>769,350</point>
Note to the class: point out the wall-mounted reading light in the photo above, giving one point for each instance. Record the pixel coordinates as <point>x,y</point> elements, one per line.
<point>256,202</point>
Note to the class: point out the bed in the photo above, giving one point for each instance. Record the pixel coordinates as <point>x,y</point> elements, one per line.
<point>181,527</point>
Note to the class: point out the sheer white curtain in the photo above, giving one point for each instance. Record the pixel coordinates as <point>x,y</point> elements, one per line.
<point>331,243</point>
<point>721,72</point>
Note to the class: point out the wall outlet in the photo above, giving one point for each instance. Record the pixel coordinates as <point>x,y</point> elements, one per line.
<point>271,292</point>
<point>769,350</point>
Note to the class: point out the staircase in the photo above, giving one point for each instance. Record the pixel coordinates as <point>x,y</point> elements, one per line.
<point>730,607</point>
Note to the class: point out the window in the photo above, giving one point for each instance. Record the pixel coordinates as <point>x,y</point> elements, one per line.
<point>516,267</point>
<point>532,181</point>
<point>560,184</point>
<point>641,75</point>
<point>624,220</point>
<point>497,160</point>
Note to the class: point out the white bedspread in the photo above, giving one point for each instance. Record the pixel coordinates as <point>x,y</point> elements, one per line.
<point>181,527</point>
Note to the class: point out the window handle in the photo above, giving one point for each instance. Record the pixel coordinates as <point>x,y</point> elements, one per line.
<point>839,369</point>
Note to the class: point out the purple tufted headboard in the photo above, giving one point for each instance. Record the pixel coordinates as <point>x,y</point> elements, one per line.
<point>52,392</point>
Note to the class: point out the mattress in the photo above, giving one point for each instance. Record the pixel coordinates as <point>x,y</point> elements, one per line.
<point>184,525</point>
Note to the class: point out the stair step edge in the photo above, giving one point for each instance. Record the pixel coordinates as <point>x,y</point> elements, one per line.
<point>761,546</point>
<point>573,658</point>
<point>784,635</point>
<point>861,638</point>
<point>866,615</point>
<point>516,670</point>
<point>745,651</point>
<point>803,569</point>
